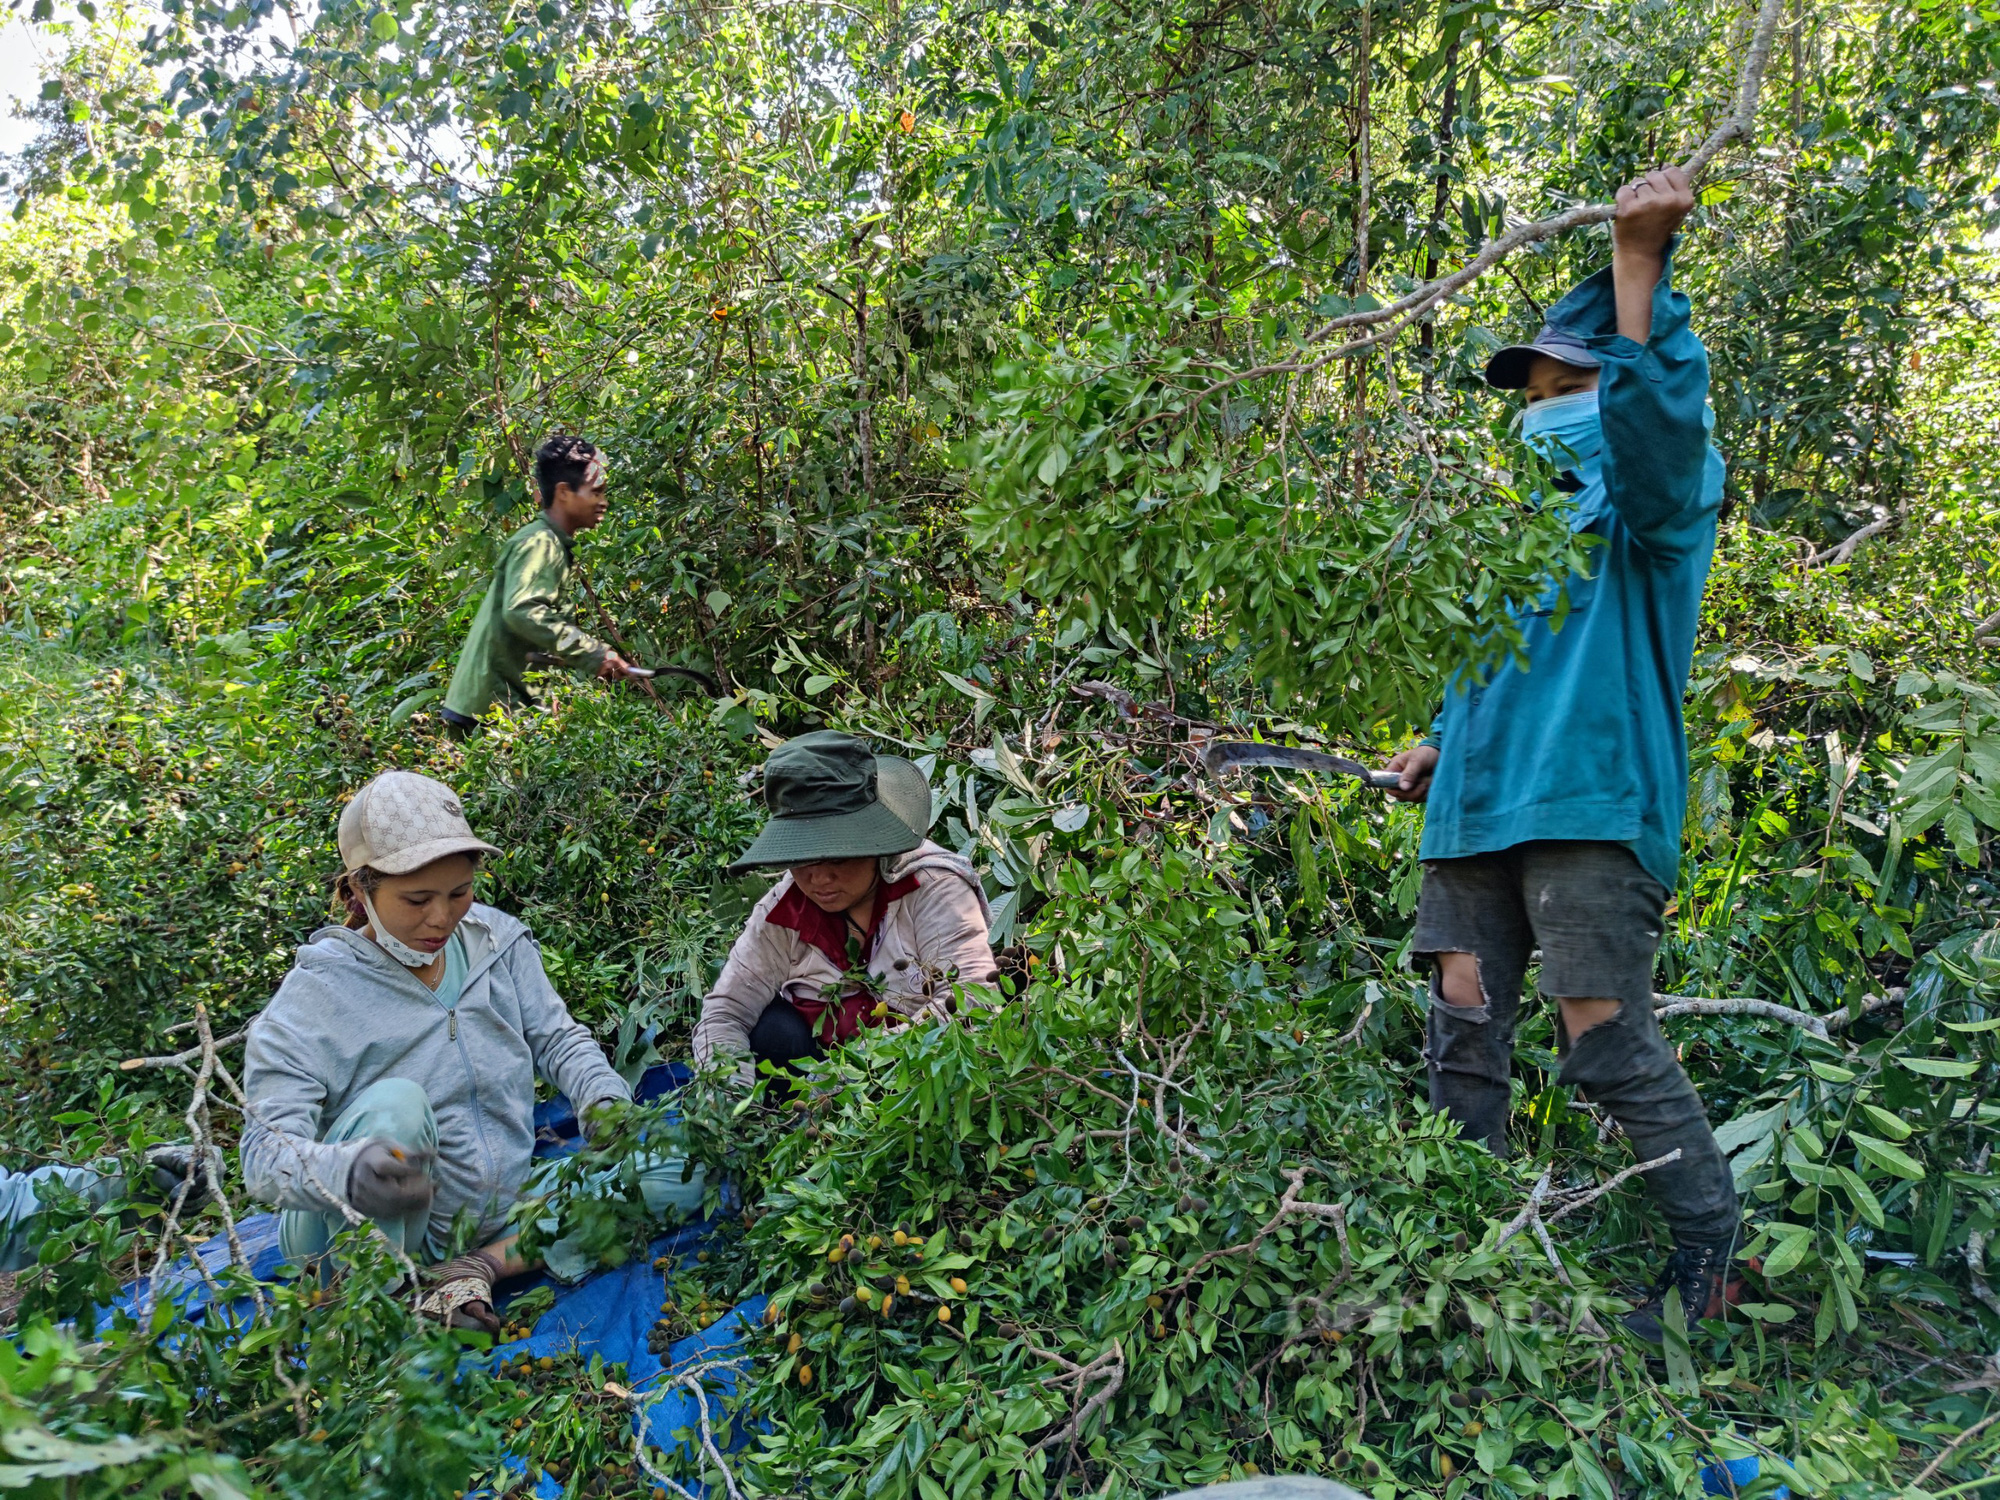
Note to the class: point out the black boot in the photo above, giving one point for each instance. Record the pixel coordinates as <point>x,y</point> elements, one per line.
<point>1707,1282</point>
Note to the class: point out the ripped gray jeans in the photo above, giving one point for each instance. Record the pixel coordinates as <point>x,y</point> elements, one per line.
<point>1596,915</point>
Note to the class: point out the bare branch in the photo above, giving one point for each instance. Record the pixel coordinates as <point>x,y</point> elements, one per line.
<point>1844,550</point>
<point>178,1058</point>
<point>1107,1370</point>
<point>690,1380</point>
<point>1952,1447</point>
<point>1584,1200</point>
<point>1823,1027</point>
<point>1390,320</point>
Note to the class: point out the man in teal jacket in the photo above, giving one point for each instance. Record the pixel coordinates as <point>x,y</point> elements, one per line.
<point>1556,788</point>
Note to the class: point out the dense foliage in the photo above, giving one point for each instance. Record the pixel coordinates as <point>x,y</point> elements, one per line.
<point>931,345</point>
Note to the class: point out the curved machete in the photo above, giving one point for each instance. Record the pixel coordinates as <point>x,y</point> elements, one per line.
<point>1231,755</point>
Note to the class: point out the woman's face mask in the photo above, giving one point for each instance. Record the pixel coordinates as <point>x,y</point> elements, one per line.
<point>1565,431</point>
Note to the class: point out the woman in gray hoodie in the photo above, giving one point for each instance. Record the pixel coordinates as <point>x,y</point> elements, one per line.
<point>392,1077</point>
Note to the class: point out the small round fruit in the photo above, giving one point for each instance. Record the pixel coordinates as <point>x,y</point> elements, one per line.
<point>1050,1235</point>
<point>958,1285</point>
<point>902,1286</point>
<point>837,1254</point>
<point>874,1242</point>
<point>1156,1302</point>
<point>887,1303</point>
<point>805,1374</point>
<point>1459,1399</point>
<point>1186,1205</point>
<point>886,1283</point>
<point>900,1238</point>
<point>792,1344</point>
<point>1134,1223</point>
<point>817,1289</point>
<point>1460,1243</point>
<point>944,1314</point>
<point>847,1306</point>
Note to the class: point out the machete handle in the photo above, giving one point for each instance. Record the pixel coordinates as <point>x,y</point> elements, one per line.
<point>1385,781</point>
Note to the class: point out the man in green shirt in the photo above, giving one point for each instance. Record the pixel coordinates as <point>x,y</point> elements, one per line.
<point>523,610</point>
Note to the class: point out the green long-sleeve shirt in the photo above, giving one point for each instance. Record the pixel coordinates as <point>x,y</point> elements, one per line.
<point>522,612</point>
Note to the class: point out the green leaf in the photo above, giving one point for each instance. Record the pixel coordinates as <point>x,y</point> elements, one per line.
<point>400,714</point>
<point>382,26</point>
<point>1674,1348</point>
<point>1767,1312</point>
<point>1890,1125</point>
<point>1790,1251</point>
<point>971,689</point>
<point>1889,1158</point>
<point>816,684</point>
<point>1939,1067</point>
<point>1864,1201</point>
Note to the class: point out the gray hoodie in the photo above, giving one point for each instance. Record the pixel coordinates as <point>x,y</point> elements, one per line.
<point>348,1016</point>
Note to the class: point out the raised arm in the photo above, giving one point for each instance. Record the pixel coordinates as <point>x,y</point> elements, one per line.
<point>1653,393</point>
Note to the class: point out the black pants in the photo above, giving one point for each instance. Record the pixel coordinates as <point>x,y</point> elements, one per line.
<point>784,1036</point>
<point>459,726</point>
<point>1596,915</point>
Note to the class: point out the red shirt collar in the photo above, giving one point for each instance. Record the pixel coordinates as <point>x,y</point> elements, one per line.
<point>827,931</point>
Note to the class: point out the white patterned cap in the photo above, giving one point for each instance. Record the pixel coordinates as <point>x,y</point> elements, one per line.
<point>401,822</point>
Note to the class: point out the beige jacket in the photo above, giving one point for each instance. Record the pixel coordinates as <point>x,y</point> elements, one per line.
<point>932,930</point>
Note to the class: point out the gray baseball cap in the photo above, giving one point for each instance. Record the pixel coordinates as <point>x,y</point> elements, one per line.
<point>1507,370</point>
<point>401,822</point>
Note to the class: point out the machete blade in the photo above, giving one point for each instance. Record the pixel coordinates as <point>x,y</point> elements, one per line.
<point>1219,756</point>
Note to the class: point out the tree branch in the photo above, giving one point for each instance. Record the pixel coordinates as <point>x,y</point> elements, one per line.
<point>1390,320</point>
<point>1844,550</point>
<point>1822,1027</point>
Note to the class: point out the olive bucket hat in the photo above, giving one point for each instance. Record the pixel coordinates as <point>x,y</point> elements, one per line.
<point>831,797</point>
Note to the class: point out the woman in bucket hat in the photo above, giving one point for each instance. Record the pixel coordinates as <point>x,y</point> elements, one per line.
<point>870,922</point>
<point>394,1071</point>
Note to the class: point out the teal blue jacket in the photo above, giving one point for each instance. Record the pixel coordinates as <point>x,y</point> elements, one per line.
<point>1585,741</point>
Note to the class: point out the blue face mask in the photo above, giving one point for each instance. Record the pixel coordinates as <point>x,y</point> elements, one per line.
<point>1565,430</point>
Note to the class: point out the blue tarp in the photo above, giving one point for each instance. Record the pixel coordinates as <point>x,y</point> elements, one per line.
<point>607,1314</point>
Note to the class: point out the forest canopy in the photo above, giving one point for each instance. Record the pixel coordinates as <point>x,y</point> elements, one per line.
<point>1037,390</point>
